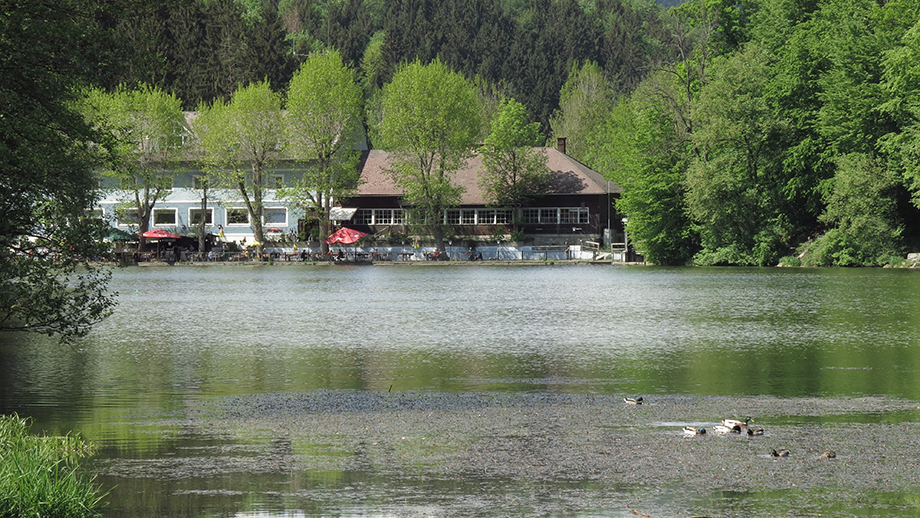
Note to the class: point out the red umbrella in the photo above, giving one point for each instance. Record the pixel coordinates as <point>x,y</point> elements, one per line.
<point>159,233</point>
<point>345,235</point>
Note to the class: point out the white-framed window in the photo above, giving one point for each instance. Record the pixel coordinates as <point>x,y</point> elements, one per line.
<point>383,216</point>
<point>531,216</point>
<point>364,217</point>
<point>274,216</point>
<point>468,217</point>
<point>126,217</point>
<point>399,216</point>
<point>503,217</point>
<point>237,216</point>
<point>194,216</point>
<point>165,217</point>
<point>452,217</point>
<point>556,215</point>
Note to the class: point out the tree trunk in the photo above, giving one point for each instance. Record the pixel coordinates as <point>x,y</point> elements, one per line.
<point>201,224</point>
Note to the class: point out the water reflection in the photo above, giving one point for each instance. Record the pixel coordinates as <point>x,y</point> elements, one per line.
<point>182,336</point>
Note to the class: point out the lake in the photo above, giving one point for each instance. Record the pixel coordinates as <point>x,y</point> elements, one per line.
<point>167,386</point>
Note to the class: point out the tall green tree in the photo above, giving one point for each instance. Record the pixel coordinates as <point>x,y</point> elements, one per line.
<point>731,189</point>
<point>641,148</point>
<point>430,123</point>
<point>49,52</point>
<point>515,172</point>
<point>149,130</point>
<point>584,101</point>
<point>324,123</point>
<point>240,141</point>
<point>861,211</point>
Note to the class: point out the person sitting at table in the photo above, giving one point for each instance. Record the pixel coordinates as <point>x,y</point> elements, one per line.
<point>341,255</point>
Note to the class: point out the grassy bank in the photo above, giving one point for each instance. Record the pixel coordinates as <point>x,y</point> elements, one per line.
<point>39,476</point>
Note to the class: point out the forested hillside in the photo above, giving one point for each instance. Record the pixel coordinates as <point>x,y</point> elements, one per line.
<point>741,132</point>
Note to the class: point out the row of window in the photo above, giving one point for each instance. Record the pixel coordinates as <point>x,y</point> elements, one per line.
<point>235,216</point>
<point>535,216</point>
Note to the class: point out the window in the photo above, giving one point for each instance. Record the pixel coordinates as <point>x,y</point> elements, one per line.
<point>468,217</point>
<point>194,216</point>
<point>364,217</point>
<point>274,216</point>
<point>399,216</point>
<point>164,217</point>
<point>237,217</point>
<point>502,217</point>
<point>383,217</point>
<point>486,217</point>
<point>531,216</point>
<point>568,215</point>
<point>549,216</point>
<point>453,216</point>
<point>276,181</point>
<point>126,217</point>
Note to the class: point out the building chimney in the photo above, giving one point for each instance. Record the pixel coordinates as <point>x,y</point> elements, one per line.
<point>560,144</point>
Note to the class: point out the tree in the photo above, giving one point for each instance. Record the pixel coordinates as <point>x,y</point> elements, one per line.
<point>861,211</point>
<point>583,103</point>
<point>641,148</point>
<point>324,122</point>
<point>47,183</point>
<point>514,171</point>
<point>148,126</point>
<point>732,191</point>
<point>430,122</point>
<point>240,141</point>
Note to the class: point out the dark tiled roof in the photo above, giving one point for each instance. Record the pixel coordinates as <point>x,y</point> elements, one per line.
<point>569,177</point>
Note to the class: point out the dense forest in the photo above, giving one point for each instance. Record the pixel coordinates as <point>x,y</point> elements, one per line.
<point>741,132</point>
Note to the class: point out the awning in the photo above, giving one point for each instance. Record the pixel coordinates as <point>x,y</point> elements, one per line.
<point>341,214</point>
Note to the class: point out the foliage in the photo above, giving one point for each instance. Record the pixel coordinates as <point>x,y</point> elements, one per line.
<point>861,209</point>
<point>430,122</point>
<point>39,475</point>
<point>643,148</point>
<point>584,101</point>
<point>731,193</point>
<point>149,130</point>
<point>515,173</point>
<point>240,141</point>
<point>46,170</point>
<point>324,108</point>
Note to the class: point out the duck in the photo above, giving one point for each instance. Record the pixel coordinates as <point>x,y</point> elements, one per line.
<point>633,400</point>
<point>721,428</point>
<point>752,433</point>
<point>779,453</point>
<point>735,422</point>
<point>689,430</point>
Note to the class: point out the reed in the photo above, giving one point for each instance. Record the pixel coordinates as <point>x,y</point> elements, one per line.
<point>39,475</point>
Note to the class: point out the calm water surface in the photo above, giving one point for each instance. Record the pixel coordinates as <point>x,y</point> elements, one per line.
<point>185,335</point>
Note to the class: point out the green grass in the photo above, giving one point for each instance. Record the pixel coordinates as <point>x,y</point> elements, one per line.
<point>39,476</point>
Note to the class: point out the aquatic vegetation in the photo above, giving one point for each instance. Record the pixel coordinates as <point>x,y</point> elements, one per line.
<point>39,475</point>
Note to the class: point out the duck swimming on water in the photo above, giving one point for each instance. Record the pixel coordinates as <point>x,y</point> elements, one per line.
<point>779,453</point>
<point>689,430</point>
<point>735,422</point>
<point>723,429</point>
<point>633,400</point>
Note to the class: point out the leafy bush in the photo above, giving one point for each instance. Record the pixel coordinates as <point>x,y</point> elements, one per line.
<point>39,476</point>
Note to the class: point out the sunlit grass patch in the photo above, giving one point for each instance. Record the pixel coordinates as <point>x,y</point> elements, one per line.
<point>39,476</point>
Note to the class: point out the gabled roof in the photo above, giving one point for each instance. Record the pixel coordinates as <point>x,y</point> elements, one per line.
<point>569,177</point>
